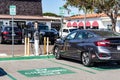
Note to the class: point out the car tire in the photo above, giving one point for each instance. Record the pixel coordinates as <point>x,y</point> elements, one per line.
<point>118,62</point>
<point>52,42</point>
<point>41,39</point>
<point>20,42</point>
<point>86,59</point>
<point>1,40</point>
<point>57,53</point>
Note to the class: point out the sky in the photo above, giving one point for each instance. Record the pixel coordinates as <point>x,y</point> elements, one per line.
<point>54,5</point>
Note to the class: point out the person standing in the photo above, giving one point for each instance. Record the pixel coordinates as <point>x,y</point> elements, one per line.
<point>36,39</point>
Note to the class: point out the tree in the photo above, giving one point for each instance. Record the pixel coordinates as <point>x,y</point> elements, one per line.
<point>84,5</point>
<point>109,7</point>
<point>50,14</point>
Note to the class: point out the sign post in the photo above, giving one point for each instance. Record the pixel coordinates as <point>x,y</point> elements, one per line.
<point>12,10</point>
<point>62,12</point>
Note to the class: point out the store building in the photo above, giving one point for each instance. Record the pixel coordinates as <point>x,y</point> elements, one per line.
<point>94,21</point>
<point>22,21</point>
<point>26,11</point>
<point>23,7</point>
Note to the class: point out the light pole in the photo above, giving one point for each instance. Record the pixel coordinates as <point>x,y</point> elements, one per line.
<point>85,11</point>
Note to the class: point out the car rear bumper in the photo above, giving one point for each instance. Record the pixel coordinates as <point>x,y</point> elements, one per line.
<point>112,57</point>
<point>15,39</point>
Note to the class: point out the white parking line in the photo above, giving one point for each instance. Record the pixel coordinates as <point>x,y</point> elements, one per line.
<point>3,54</point>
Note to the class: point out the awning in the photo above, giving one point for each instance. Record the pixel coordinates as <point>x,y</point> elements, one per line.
<point>95,24</point>
<point>80,24</point>
<point>88,24</point>
<point>69,24</point>
<point>74,24</point>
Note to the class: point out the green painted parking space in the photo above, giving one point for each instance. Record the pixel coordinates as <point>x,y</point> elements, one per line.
<point>97,68</point>
<point>26,57</point>
<point>11,77</point>
<point>82,69</point>
<point>104,68</point>
<point>45,72</point>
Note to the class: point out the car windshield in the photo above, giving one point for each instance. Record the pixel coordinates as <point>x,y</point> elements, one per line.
<point>43,28</point>
<point>106,33</point>
<point>72,30</point>
<point>53,29</point>
<point>10,29</point>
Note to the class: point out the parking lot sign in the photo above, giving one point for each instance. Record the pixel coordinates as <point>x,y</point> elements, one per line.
<point>62,10</point>
<point>12,9</point>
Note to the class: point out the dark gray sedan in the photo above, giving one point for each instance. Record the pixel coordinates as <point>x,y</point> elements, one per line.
<point>89,46</point>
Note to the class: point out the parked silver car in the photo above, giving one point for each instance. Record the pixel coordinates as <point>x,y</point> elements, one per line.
<point>89,46</point>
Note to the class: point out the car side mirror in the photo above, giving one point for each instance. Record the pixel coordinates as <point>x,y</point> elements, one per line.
<point>59,39</point>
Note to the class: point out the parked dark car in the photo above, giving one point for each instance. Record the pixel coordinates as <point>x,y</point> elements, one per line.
<point>55,32</point>
<point>44,32</point>
<point>89,46</point>
<point>6,34</point>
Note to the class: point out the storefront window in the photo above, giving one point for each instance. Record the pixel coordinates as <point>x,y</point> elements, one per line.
<point>1,23</point>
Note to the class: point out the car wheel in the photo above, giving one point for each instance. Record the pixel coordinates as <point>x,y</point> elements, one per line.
<point>57,53</point>
<point>41,39</point>
<point>52,42</point>
<point>118,62</point>
<point>1,40</point>
<point>86,59</point>
<point>20,42</point>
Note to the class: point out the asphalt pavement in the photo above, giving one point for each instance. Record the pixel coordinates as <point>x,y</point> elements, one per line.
<point>48,68</point>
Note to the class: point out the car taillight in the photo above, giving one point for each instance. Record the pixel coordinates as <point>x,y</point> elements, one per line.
<point>19,33</point>
<point>103,55</point>
<point>102,43</point>
<point>5,32</point>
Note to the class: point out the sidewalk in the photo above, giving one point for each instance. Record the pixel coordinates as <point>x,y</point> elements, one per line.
<point>19,50</point>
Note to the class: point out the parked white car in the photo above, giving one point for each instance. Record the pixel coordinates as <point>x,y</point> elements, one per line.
<point>65,31</point>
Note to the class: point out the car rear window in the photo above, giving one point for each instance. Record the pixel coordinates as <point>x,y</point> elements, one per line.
<point>42,27</point>
<point>10,29</point>
<point>106,33</point>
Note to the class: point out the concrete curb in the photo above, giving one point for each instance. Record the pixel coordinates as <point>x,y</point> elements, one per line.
<point>27,57</point>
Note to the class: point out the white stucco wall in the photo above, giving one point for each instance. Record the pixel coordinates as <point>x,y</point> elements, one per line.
<point>6,22</point>
<point>48,24</point>
<point>118,26</point>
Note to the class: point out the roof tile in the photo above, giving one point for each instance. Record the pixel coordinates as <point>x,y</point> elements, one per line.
<point>87,16</point>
